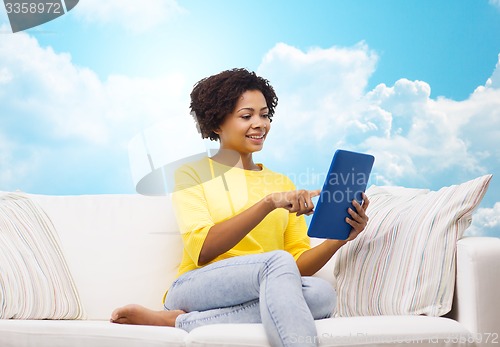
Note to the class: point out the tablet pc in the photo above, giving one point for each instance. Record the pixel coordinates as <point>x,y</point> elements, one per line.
<point>346,180</point>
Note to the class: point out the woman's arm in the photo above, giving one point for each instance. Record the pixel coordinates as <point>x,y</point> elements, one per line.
<point>315,258</point>
<point>225,235</point>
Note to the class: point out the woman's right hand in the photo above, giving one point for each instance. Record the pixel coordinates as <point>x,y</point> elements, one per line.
<point>298,201</point>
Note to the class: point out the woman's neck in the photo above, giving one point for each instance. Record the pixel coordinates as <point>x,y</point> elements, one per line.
<point>235,159</point>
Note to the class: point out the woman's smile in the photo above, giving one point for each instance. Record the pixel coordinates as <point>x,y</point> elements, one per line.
<point>257,138</point>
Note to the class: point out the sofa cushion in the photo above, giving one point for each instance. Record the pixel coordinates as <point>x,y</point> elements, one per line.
<point>404,261</point>
<point>35,282</point>
<point>28,333</point>
<point>345,331</point>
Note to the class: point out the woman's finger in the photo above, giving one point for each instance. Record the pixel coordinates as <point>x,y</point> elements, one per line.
<point>313,193</point>
<point>355,225</point>
<point>366,201</point>
<point>360,209</point>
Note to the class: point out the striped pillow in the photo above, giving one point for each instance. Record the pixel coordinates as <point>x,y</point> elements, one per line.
<point>35,282</point>
<point>404,261</point>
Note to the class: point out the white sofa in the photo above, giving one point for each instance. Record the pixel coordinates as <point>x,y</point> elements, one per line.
<point>125,249</point>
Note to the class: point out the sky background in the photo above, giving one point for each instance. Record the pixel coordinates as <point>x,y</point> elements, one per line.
<point>416,83</point>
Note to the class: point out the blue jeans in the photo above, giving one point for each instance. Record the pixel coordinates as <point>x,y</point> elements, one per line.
<point>259,288</point>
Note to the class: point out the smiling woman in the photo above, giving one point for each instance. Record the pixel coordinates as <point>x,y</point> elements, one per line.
<point>243,226</point>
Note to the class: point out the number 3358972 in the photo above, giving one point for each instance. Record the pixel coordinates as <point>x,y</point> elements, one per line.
<point>32,7</point>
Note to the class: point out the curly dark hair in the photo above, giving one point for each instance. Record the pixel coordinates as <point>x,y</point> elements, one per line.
<point>214,97</point>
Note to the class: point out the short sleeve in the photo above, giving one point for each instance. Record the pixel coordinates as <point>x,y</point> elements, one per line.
<point>191,211</point>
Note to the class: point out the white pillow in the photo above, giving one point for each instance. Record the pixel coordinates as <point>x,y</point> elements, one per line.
<point>404,261</point>
<point>35,282</point>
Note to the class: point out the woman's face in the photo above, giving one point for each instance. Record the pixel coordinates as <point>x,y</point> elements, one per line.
<point>245,129</point>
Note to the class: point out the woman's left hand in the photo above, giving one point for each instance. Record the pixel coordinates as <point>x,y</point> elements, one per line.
<point>358,219</point>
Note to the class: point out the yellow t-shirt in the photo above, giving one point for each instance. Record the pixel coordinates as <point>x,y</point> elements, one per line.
<point>207,192</point>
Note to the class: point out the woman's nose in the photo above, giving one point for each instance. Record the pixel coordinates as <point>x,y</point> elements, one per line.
<point>259,122</point>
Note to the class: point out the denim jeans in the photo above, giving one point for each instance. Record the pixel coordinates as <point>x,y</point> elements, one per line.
<point>259,288</point>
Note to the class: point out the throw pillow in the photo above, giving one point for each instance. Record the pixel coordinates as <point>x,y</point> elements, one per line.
<point>404,261</point>
<point>35,282</point>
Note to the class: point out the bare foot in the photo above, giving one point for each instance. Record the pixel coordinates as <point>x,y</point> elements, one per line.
<point>136,314</point>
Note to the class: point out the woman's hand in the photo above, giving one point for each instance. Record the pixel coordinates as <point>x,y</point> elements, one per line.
<point>358,219</point>
<point>298,201</point>
<point>315,258</point>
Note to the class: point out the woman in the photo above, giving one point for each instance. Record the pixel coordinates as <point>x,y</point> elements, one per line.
<point>246,257</point>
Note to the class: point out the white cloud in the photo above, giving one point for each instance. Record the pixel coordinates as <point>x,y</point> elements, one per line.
<point>434,142</point>
<point>52,108</point>
<point>319,90</point>
<point>11,169</point>
<point>489,217</point>
<point>4,22</point>
<point>486,221</point>
<point>134,16</point>
<point>417,140</point>
<point>6,170</point>
<point>72,102</point>
<point>495,3</point>
<point>5,76</point>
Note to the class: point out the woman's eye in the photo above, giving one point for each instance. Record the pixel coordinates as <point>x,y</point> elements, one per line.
<point>246,116</point>
<point>265,115</point>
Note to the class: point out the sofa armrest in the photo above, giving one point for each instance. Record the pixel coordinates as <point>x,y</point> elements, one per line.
<point>477,298</point>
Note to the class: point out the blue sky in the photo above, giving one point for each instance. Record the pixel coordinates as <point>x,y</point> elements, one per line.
<point>416,83</point>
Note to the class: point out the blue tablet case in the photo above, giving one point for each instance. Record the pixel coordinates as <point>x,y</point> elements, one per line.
<point>345,181</point>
